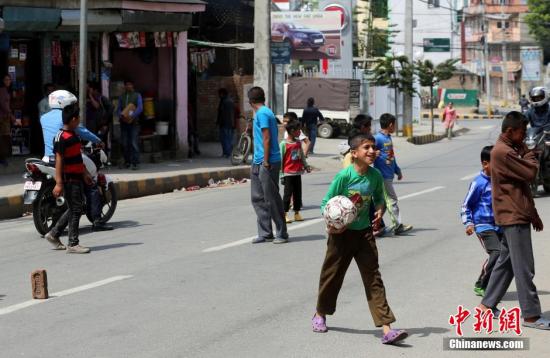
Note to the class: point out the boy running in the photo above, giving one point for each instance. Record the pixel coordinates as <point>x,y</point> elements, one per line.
<point>477,216</point>
<point>513,167</point>
<point>293,163</point>
<point>70,176</point>
<point>387,165</point>
<point>356,241</point>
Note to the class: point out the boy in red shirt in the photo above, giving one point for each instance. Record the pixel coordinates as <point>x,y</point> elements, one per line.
<point>70,176</point>
<point>293,166</point>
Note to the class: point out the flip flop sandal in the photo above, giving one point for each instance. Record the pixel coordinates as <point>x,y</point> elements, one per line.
<point>541,323</point>
<point>394,336</point>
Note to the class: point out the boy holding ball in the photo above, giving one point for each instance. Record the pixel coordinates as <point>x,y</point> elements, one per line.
<point>363,184</point>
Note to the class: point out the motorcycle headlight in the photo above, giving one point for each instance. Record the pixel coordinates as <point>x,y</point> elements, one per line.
<point>530,143</point>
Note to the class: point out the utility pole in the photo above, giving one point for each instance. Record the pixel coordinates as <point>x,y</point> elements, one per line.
<point>407,99</point>
<point>487,64</point>
<point>262,34</point>
<point>82,60</point>
<point>504,58</point>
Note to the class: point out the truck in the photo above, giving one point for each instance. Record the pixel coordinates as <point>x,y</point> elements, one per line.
<point>339,100</point>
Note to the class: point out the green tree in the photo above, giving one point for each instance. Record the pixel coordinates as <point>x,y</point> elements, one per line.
<point>538,20</point>
<point>394,72</point>
<point>430,76</point>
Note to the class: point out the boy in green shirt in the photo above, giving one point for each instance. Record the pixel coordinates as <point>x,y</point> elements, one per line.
<point>363,184</point>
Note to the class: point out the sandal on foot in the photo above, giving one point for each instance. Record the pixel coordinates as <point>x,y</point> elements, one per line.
<point>394,336</point>
<point>318,324</point>
<point>541,323</point>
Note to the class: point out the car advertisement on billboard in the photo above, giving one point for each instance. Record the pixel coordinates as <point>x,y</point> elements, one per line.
<point>311,35</point>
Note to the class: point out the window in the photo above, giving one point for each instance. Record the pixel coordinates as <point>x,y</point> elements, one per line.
<point>506,24</point>
<point>379,9</point>
<point>433,3</point>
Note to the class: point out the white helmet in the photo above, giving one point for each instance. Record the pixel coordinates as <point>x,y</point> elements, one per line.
<point>60,99</point>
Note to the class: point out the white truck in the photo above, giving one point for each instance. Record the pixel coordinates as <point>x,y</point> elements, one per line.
<point>337,99</point>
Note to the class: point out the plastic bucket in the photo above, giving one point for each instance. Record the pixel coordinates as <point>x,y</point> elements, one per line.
<point>161,128</point>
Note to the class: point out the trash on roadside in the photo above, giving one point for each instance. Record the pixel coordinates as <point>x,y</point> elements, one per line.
<point>193,188</point>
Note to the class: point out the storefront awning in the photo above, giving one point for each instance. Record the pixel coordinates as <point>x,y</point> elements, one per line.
<point>98,20</point>
<point>238,46</point>
<point>30,18</point>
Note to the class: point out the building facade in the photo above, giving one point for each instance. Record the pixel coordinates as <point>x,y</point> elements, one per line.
<point>501,26</point>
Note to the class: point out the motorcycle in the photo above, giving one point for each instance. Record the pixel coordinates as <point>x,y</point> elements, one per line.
<point>40,182</point>
<point>539,140</point>
<point>244,146</point>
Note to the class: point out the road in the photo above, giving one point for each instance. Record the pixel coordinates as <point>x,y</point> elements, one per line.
<point>178,278</point>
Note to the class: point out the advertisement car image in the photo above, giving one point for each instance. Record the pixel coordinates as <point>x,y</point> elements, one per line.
<point>300,38</point>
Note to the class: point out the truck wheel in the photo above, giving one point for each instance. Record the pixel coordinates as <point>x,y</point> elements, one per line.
<point>325,130</point>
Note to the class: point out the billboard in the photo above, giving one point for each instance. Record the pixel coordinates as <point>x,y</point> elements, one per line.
<point>311,35</point>
<point>531,63</point>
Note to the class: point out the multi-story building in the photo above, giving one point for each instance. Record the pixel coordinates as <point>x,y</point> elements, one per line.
<point>436,34</point>
<point>501,24</point>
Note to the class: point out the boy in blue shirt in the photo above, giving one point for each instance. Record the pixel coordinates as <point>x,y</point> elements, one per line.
<point>477,215</point>
<point>387,165</point>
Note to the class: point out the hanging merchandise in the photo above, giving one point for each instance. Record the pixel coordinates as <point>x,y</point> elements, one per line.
<point>202,58</point>
<point>22,52</point>
<point>74,55</point>
<point>57,58</point>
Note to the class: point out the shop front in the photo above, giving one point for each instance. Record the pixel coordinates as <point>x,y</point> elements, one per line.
<point>139,41</point>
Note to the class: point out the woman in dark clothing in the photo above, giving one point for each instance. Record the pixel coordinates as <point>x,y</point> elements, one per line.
<point>310,119</point>
<point>6,119</point>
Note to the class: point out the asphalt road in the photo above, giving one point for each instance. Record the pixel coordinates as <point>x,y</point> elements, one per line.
<point>178,278</point>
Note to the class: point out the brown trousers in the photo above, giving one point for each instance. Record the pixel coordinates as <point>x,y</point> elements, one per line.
<point>341,249</point>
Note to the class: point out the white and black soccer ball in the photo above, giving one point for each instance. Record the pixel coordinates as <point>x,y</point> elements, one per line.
<point>339,212</point>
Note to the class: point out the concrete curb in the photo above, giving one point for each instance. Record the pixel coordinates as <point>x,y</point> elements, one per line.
<point>465,116</point>
<point>432,138</point>
<point>12,207</point>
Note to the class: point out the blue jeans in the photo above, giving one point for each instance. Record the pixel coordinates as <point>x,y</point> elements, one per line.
<point>129,139</point>
<point>226,139</point>
<point>312,134</point>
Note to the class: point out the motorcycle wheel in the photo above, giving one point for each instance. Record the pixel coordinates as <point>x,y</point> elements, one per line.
<point>241,151</point>
<point>45,211</point>
<point>109,200</point>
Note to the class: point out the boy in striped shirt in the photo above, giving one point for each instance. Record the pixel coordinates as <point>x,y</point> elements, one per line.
<point>70,177</point>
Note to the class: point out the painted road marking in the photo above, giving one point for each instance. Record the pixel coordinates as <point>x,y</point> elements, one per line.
<point>469,176</point>
<point>70,291</point>
<point>486,127</point>
<point>305,224</point>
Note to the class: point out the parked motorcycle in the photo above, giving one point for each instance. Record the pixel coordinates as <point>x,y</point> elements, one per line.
<point>40,182</point>
<point>539,140</point>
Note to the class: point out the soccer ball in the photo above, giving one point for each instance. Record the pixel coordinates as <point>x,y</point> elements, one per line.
<point>339,212</point>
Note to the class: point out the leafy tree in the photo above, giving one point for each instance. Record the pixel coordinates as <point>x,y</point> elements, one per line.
<point>430,76</point>
<point>394,72</point>
<point>538,20</point>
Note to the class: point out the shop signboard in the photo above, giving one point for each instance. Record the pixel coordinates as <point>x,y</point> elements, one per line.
<point>280,53</point>
<point>311,35</point>
<point>437,45</point>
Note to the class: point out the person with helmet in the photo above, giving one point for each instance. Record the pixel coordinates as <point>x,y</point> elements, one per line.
<point>539,113</point>
<point>51,123</point>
